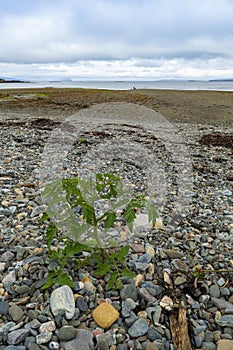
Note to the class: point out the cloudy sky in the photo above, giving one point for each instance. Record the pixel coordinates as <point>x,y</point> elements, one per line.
<point>116,39</point>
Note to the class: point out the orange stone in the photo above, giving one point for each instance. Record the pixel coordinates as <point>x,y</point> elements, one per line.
<point>86,279</point>
<point>38,250</point>
<point>105,315</point>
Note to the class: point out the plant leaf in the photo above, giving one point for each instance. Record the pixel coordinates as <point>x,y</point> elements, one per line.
<point>112,280</point>
<point>152,212</point>
<point>51,232</point>
<point>121,254</point>
<point>109,220</point>
<point>102,270</point>
<point>129,215</point>
<point>128,273</point>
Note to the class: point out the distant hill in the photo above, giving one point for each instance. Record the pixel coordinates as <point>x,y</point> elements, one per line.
<point>11,81</point>
<point>221,80</point>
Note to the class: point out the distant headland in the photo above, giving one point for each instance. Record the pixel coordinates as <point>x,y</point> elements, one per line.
<point>6,81</point>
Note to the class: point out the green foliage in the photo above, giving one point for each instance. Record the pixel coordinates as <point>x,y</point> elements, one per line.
<point>63,199</point>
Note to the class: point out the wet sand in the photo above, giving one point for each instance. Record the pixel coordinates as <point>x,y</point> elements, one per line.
<point>192,107</point>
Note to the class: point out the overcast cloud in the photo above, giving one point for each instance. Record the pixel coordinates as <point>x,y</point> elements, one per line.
<point>149,39</point>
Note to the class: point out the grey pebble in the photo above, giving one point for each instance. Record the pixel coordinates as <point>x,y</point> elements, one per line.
<point>81,304</point>
<point>83,338</point>
<point>17,336</point>
<point>139,328</point>
<point>221,303</point>
<point>214,291</point>
<point>129,291</point>
<point>16,313</point>
<point>7,256</point>
<point>225,321</point>
<point>66,333</point>
<point>4,308</point>
<point>144,294</point>
<point>208,346</point>
<point>173,253</point>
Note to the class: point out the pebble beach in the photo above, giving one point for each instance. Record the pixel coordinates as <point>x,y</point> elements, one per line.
<point>187,263</point>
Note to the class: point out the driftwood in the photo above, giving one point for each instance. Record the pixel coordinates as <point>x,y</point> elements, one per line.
<point>179,329</point>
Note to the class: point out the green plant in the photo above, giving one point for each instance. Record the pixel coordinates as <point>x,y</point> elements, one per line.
<point>79,225</point>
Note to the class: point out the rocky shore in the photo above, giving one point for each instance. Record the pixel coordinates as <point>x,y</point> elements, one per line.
<point>186,265</point>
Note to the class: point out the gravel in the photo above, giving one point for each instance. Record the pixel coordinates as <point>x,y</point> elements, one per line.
<point>165,259</point>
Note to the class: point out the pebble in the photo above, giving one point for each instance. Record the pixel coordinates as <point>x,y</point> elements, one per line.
<point>43,338</point>
<point>180,265</point>
<point>66,333</point>
<point>139,328</point>
<point>151,346</point>
<point>4,308</point>
<point>82,304</point>
<point>9,278</point>
<point>17,336</point>
<point>203,239</point>
<point>7,256</point>
<point>105,315</point>
<point>54,345</point>
<point>127,306</point>
<point>62,298</point>
<point>173,253</point>
<point>83,339</point>
<point>129,291</point>
<point>225,345</point>
<point>16,313</point>
<point>214,291</point>
<point>225,321</point>
<point>221,303</point>
<point>47,327</point>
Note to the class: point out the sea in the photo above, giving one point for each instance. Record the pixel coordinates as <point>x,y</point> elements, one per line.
<point>218,85</point>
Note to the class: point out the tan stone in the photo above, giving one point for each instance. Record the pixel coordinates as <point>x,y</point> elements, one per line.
<point>225,344</point>
<point>105,315</point>
<point>151,346</point>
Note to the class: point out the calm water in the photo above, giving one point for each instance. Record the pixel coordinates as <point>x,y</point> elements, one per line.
<point>128,85</point>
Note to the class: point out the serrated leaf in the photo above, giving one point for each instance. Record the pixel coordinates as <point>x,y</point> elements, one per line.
<point>112,280</point>
<point>109,220</point>
<point>102,270</point>
<point>152,213</point>
<point>51,232</point>
<point>88,213</point>
<point>71,186</point>
<point>121,254</point>
<point>129,215</point>
<point>63,279</point>
<point>43,218</point>
<point>128,273</point>
<point>108,185</point>
<point>73,248</point>
<point>48,284</point>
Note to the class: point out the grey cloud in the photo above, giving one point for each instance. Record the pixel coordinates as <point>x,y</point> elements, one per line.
<point>50,31</point>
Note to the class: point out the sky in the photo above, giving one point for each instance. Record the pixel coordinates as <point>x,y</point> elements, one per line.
<point>116,39</point>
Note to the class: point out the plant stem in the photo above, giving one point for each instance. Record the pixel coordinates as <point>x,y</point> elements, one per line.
<point>96,235</point>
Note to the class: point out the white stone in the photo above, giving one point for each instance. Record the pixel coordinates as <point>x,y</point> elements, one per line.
<point>47,327</point>
<point>62,298</point>
<point>44,338</point>
<point>142,220</point>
